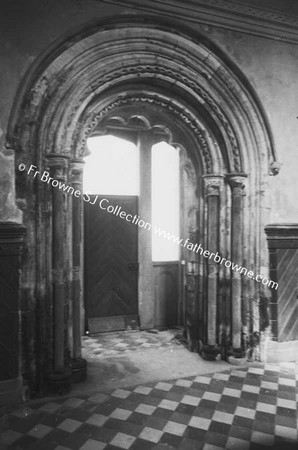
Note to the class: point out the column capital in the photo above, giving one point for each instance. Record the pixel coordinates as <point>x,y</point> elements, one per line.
<point>58,165</point>
<point>212,184</point>
<point>77,167</point>
<point>237,183</point>
<point>236,179</point>
<point>146,138</point>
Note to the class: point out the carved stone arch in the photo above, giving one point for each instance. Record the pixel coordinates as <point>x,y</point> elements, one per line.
<point>188,128</point>
<point>141,62</point>
<point>205,76</point>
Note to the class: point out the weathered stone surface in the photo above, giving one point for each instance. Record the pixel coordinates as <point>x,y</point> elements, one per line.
<point>8,208</point>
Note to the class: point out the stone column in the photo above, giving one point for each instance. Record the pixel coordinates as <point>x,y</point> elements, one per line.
<point>79,371</point>
<point>212,193</point>
<point>59,380</point>
<point>238,191</point>
<point>146,279</point>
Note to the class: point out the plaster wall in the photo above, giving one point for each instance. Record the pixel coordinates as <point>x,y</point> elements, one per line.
<point>28,28</point>
<point>271,68</point>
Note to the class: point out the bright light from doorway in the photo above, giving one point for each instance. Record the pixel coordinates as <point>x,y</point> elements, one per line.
<point>112,168</point>
<point>165,201</point>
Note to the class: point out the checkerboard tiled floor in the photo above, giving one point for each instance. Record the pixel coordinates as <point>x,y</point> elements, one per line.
<point>122,342</point>
<point>251,408</point>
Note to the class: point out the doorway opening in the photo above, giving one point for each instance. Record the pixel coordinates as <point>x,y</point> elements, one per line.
<point>196,97</point>
<point>112,219</point>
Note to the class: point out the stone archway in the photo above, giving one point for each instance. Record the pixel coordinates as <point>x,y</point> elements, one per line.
<point>90,78</point>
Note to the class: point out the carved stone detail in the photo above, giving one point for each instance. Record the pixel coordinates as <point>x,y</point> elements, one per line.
<point>58,165</point>
<point>161,71</point>
<point>187,119</point>
<point>275,168</point>
<point>57,130</point>
<point>237,184</point>
<point>212,185</point>
<point>38,91</point>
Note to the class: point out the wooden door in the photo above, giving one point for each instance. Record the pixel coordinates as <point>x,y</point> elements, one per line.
<point>166,290</point>
<point>111,267</point>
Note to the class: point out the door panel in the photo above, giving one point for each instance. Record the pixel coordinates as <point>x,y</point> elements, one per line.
<point>111,269</point>
<point>166,288</point>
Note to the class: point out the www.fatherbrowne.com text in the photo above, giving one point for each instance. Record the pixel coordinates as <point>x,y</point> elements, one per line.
<point>104,204</point>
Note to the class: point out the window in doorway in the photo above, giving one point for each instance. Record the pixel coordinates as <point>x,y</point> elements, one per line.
<point>112,168</point>
<point>165,202</point>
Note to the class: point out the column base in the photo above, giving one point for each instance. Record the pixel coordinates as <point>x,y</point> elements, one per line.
<point>238,352</point>
<point>78,370</point>
<point>236,356</point>
<point>210,352</point>
<point>59,382</point>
